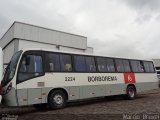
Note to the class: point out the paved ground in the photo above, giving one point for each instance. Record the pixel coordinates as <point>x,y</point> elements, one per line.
<point>146,105</point>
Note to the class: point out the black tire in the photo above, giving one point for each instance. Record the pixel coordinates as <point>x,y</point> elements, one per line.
<point>131,93</point>
<point>40,107</point>
<point>57,99</point>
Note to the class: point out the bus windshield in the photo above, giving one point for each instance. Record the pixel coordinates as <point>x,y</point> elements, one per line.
<point>11,68</point>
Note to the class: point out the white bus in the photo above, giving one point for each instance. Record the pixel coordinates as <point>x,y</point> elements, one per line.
<point>46,77</point>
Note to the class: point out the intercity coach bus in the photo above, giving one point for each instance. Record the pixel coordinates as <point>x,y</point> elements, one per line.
<point>46,77</point>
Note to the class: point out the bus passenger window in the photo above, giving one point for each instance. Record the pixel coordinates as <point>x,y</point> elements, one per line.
<point>110,65</point>
<point>101,62</point>
<point>137,66</point>
<point>65,62</point>
<point>151,67</point>
<point>105,64</point>
<point>52,62</point>
<point>148,66</point>
<point>90,64</point>
<point>141,67</point>
<point>79,63</point>
<point>119,65</point>
<point>126,66</point>
<point>134,65</point>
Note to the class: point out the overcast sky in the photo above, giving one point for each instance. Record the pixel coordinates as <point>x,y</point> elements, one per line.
<point>123,28</point>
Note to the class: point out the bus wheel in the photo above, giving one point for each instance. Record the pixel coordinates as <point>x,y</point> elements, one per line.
<point>131,92</point>
<point>57,99</point>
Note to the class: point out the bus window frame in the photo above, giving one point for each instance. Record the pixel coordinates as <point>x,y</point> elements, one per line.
<point>149,67</point>
<point>71,63</point>
<point>131,71</point>
<point>45,69</point>
<point>124,66</point>
<point>113,59</point>
<point>75,65</point>
<point>143,63</point>
<point>30,52</point>
<point>59,53</point>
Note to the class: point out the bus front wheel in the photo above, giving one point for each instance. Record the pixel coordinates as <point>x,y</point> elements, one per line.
<point>57,99</point>
<point>131,92</point>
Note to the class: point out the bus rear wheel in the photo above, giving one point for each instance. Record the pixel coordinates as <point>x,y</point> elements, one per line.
<point>131,93</point>
<point>57,99</point>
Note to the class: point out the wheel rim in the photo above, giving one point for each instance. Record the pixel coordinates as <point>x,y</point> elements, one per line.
<point>58,99</point>
<point>131,93</point>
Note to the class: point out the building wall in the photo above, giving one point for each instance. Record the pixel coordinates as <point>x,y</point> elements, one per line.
<point>62,48</point>
<point>44,35</point>
<point>23,44</point>
<point>8,52</point>
<point>7,37</point>
<point>156,62</point>
<point>157,66</point>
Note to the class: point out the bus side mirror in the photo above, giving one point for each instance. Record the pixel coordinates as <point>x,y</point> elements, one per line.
<point>27,60</point>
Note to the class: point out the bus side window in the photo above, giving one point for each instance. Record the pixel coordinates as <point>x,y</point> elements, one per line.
<point>52,62</point>
<point>126,66</point>
<point>146,66</point>
<point>149,67</point>
<point>119,65</point>
<point>65,62</point>
<point>137,66</point>
<point>101,62</point>
<point>134,65</point>
<point>105,64</point>
<point>140,67</point>
<point>90,64</point>
<point>79,63</point>
<point>110,65</point>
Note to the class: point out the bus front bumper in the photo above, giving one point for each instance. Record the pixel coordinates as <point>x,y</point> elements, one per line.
<point>10,98</point>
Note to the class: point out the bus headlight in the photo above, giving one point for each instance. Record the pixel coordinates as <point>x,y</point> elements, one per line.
<point>8,88</point>
<point>1,91</point>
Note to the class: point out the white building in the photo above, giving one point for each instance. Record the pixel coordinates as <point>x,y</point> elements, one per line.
<point>22,35</point>
<point>157,66</point>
